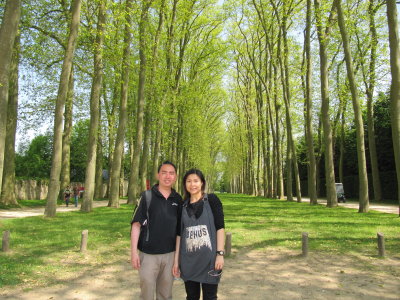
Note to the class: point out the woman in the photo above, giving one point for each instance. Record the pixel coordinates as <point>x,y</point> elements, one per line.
<point>199,256</point>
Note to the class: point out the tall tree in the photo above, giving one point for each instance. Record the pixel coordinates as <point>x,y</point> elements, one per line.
<point>362,164</point>
<point>123,115</point>
<point>370,88</point>
<point>8,32</point>
<point>8,196</point>
<point>323,38</point>
<point>97,83</point>
<point>54,184</point>
<point>394,44</point>
<point>312,179</point>
<point>134,179</point>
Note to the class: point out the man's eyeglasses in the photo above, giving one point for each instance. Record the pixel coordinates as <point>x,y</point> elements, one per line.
<point>215,273</point>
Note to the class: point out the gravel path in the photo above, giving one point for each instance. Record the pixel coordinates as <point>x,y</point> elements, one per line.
<point>39,211</point>
<point>29,212</point>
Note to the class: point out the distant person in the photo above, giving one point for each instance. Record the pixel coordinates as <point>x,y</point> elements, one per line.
<point>75,191</point>
<point>67,195</point>
<point>154,231</point>
<point>81,191</point>
<point>199,255</point>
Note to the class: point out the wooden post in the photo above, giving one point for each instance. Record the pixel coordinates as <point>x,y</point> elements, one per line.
<point>228,244</point>
<point>84,240</point>
<point>304,240</point>
<point>6,241</point>
<point>381,244</point>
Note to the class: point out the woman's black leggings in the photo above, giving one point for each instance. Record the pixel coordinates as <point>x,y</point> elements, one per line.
<point>193,290</point>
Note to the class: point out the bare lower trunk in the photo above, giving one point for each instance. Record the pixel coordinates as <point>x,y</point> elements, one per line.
<point>98,189</point>
<point>65,176</point>
<point>146,152</point>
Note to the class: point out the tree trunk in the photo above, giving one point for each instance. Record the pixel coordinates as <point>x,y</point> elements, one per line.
<point>312,180</point>
<point>54,184</point>
<point>8,196</point>
<point>134,180</point>
<point>123,115</point>
<point>370,87</point>
<point>65,176</point>
<point>90,175</point>
<point>327,131</point>
<point>394,43</point>
<point>146,150</point>
<point>362,163</point>
<point>280,189</point>
<point>8,32</point>
<point>98,188</point>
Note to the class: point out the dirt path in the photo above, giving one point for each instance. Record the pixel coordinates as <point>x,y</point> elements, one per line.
<point>30,212</point>
<point>269,274</point>
<point>39,211</point>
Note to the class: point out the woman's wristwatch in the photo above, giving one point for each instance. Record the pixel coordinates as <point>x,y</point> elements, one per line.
<point>221,253</point>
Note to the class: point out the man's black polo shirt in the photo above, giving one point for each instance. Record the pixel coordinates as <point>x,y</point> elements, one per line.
<point>163,223</point>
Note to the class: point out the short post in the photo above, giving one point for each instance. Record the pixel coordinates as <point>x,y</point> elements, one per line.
<point>6,241</point>
<point>381,244</point>
<point>228,243</point>
<point>304,245</point>
<point>84,240</point>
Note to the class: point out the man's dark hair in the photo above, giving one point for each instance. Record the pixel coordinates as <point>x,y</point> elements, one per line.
<point>167,162</point>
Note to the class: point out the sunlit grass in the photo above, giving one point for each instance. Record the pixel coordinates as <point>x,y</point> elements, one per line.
<point>257,222</point>
<point>43,249</point>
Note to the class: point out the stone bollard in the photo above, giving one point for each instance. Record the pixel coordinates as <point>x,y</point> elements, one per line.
<point>84,240</point>
<point>228,244</point>
<point>6,241</point>
<point>381,244</point>
<point>304,245</point>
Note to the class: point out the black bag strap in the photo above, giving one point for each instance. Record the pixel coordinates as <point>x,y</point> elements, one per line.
<point>148,196</point>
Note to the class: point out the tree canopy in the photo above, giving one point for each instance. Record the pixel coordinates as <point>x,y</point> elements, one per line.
<point>265,97</point>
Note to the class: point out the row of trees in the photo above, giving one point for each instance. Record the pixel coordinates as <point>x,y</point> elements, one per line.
<point>308,72</point>
<point>154,72</point>
<point>230,89</point>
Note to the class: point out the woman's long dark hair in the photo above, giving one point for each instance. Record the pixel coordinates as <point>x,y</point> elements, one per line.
<point>201,176</point>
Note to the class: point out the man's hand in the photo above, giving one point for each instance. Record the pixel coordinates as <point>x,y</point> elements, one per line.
<point>135,260</point>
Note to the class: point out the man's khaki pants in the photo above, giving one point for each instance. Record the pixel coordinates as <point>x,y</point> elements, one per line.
<point>156,276</point>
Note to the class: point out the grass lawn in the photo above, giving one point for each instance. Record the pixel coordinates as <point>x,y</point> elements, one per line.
<point>42,247</point>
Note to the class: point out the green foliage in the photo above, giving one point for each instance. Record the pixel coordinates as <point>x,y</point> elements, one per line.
<point>79,146</point>
<point>34,161</point>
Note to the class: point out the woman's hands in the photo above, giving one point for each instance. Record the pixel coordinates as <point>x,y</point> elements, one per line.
<point>219,262</point>
<point>175,270</point>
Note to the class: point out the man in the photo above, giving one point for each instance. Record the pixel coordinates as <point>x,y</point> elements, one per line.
<point>75,192</point>
<point>154,231</point>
